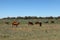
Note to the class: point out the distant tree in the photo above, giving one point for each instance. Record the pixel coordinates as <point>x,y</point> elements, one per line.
<point>40,17</point>
<point>25,17</point>
<point>58,17</point>
<point>8,17</point>
<point>29,17</point>
<point>19,17</point>
<point>4,18</point>
<point>13,18</point>
<point>49,17</point>
<point>55,17</point>
<point>46,17</point>
<point>34,17</point>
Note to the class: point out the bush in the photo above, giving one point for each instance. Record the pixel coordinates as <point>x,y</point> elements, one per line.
<point>46,22</point>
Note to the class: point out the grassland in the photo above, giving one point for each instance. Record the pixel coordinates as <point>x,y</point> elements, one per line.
<point>50,31</point>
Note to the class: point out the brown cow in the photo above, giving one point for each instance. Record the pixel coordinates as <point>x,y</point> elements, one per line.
<point>15,23</point>
<point>30,23</point>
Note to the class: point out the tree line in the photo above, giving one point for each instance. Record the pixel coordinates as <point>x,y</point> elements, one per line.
<point>32,17</point>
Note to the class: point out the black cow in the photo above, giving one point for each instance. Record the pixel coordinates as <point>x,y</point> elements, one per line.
<point>40,23</point>
<point>52,21</point>
<point>36,22</point>
<point>6,22</point>
<point>30,23</point>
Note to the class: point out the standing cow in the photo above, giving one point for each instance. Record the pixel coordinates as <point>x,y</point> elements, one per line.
<point>40,23</point>
<point>15,23</point>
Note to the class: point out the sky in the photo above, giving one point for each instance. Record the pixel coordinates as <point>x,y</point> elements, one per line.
<point>14,8</point>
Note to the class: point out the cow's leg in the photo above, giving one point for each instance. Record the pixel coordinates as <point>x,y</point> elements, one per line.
<point>16,25</point>
<point>12,25</point>
<point>40,24</point>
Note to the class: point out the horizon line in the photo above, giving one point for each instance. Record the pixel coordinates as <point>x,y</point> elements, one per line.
<point>28,16</point>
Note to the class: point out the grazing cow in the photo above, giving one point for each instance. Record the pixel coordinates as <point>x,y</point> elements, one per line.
<point>52,21</point>
<point>30,23</point>
<point>15,23</point>
<point>40,23</point>
<point>36,22</point>
<point>6,22</point>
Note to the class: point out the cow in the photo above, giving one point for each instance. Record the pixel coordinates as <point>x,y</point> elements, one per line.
<point>15,23</point>
<point>7,23</point>
<point>30,23</point>
<point>36,22</point>
<point>40,23</point>
<point>52,21</point>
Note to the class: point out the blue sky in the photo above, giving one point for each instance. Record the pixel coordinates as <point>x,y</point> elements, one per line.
<point>42,8</point>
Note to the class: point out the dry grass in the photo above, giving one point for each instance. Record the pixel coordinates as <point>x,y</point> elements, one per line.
<point>30,32</point>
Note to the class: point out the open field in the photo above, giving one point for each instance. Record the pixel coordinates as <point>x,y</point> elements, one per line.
<point>30,32</point>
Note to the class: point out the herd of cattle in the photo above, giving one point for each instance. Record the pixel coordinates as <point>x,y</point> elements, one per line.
<point>15,23</point>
